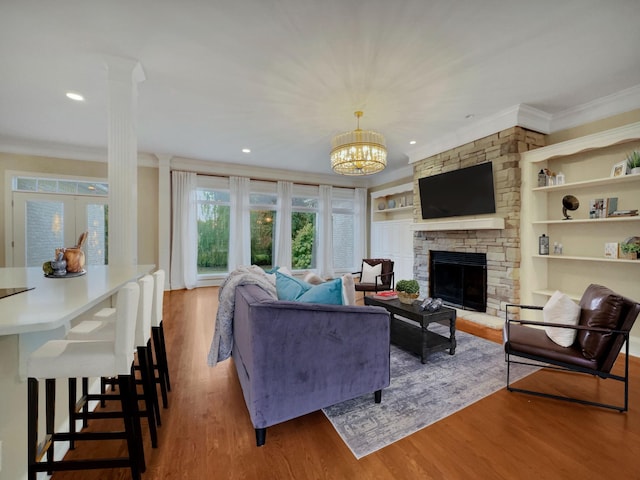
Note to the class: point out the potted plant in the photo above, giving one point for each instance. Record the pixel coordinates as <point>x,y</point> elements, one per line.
<point>407,290</point>
<point>633,162</point>
<point>630,250</point>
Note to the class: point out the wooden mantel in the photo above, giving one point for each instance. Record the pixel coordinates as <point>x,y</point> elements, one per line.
<point>489,223</point>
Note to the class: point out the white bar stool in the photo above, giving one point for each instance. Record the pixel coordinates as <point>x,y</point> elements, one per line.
<point>157,330</point>
<point>105,330</point>
<point>71,359</point>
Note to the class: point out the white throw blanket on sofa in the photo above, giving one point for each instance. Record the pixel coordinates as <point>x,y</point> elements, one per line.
<point>222,342</point>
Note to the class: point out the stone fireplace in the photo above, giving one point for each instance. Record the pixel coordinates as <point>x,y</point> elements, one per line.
<point>501,247</point>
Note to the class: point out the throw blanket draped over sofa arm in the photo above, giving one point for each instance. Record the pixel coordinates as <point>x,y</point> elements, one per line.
<point>294,358</point>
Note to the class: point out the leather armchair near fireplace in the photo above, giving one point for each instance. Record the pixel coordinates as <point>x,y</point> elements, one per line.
<point>604,322</point>
<point>375,282</point>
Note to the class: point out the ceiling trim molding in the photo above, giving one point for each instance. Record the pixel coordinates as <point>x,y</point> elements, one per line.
<point>391,176</point>
<point>519,115</point>
<point>614,104</point>
<point>23,146</point>
<point>264,173</point>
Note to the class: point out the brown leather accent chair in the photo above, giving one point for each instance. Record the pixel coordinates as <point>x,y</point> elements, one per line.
<point>384,281</point>
<point>605,321</point>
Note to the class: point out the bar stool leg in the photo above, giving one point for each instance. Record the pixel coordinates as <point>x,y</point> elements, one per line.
<point>85,406</point>
<point>152,382</point>
<point>73,393</point>
<point>165,363</point>
<point>162,378</point>
<point>146,391</point>
<point>129,401</point>
<point>50,416</point>
<point>32,427</point>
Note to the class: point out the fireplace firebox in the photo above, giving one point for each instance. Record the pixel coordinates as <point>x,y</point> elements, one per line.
<point>459,279</point>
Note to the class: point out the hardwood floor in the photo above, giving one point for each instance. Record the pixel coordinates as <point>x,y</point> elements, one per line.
<point>206,432</point>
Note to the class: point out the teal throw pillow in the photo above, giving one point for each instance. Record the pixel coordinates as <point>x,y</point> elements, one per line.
<point>289,288</point>
<point>328,293</point>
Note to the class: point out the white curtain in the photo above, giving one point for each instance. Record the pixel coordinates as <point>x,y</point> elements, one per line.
<point>239,227</point>
<point>360,226</point>
<point>283,227</point>
<point>184,237</point>
<point>325,252</point>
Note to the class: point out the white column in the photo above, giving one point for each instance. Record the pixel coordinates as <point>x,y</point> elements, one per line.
<point>164,215</point>
<point>124,75</point>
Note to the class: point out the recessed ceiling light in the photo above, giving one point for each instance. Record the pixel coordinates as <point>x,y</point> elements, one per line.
<point>246,150</point>
<point>412,142</point>
<point>75,96</point>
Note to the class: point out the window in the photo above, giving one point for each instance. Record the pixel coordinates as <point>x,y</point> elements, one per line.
<point>343,228</point>
<point>304,223</point>
<point>49,213</point>
<point>261,218</point>
<point>66,187</point>
<point>263,200</point>
<point>213,228</point>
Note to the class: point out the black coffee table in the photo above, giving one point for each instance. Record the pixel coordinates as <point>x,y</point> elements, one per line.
<point>412,333</point>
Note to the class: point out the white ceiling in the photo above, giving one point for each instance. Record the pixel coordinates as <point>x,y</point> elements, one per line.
<point>283,76</point>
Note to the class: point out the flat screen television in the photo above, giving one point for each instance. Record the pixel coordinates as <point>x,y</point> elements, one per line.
<point>467,191</point>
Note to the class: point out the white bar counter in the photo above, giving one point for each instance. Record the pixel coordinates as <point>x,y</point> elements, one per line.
<point>54,302</point>
<point>27,320</point>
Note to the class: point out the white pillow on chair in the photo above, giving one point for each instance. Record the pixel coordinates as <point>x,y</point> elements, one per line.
<point>370,273</point>
<point>561,310</point>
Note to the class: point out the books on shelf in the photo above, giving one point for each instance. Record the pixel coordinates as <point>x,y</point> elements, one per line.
<point>386,295</point>
<point>611,205</point>
<point>624,213</point>
<point>596,208</point>
<point>608,207</point>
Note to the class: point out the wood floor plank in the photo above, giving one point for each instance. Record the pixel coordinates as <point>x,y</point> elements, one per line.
<point>207,433</point>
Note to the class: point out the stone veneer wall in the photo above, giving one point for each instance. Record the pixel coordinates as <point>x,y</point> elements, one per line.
<point>502,247</point>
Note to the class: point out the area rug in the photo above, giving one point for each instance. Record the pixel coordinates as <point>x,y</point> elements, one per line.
<point>420,395</point>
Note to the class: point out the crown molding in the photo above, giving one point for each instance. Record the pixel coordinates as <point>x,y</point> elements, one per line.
<point>519,115</point>
<point>64,151</point>
<point>264,173</point>
<point>389,176</point>
<point>40,148</point>
<point>614,104</point>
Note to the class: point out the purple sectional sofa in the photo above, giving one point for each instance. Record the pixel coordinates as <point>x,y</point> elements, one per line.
<point>295,358</point>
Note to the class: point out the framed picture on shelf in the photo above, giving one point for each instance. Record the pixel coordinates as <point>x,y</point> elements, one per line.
<point>619,169</point>
<point>611,250</point>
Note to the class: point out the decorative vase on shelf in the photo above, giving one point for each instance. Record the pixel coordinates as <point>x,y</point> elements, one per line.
<point>392,203</point>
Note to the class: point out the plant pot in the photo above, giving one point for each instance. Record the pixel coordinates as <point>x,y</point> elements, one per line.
<point>635,171</point>
<point>407,298</point>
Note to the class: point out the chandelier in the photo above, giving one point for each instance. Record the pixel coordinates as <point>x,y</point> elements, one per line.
<point>360,152</point>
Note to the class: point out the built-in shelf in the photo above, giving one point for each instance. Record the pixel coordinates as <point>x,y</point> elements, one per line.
<point>586,163</point>
<point>634,218</point>
<point>589,183</point>
<point>395,209</point>
<point>587,259</point>
<point>492,223</point>
<point>616,136</point>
